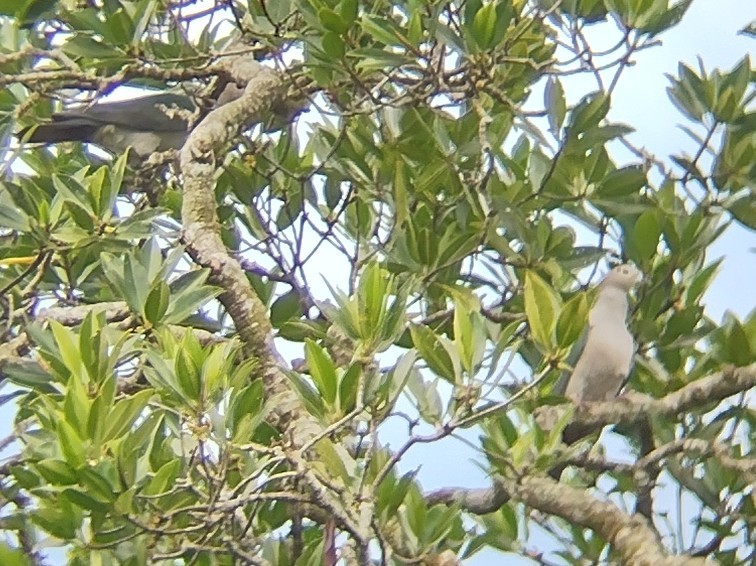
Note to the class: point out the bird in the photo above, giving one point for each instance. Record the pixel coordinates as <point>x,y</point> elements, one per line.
<point>607,354</point>
<point>146,124</point>
<point>605,359</point>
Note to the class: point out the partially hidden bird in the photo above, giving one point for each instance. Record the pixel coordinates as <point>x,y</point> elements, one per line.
<point>605,359</point>
<point>607,354</point>
<point>146,124</point>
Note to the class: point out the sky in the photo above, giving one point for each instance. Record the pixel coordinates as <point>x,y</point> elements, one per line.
<point>709,30</point>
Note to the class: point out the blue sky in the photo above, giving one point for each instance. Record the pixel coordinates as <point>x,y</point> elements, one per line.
<point>709,30</point>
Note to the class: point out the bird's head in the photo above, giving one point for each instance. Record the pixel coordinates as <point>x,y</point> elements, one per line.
<point>624,276</point>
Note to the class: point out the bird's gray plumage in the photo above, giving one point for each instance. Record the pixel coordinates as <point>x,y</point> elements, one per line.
<point>607,355</point>
<point>147,124</point>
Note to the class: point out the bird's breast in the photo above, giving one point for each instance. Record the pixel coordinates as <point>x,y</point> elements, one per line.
<point>116,140</point>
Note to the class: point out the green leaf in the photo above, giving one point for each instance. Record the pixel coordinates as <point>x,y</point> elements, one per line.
<point>662,20</point>
<point>646,234</point>
<point>538,166</point>
<point>348,388</point>
<point>370,59</point>
<point>246,411</point>
<point>57,472</point>
<point>687,94</point>
<point>395,380</point>
<point>97,486</point>
<point>701,281</point>
<point>399,492</point>
<point>83,500</point>
<point>187,375</point>
<point>10,556</point>
<point>415,31</point>
<point>188,294</point>
<point>60,519</point>
<point>99,413</point>
<point>14,219</point>
<point>76,406</point>
<point>164,479</point>
<point>30,375</point>
<point>469,337</point>
<point>71,444</point>
<point>322,370</point>
<point>484,26</point>
<point>125,413</point>
<point>588,113</point>
<point>88,47</point>
<point>372,296</point>
<point>556,107</point>
<point>402,187</point>
<point>380,28</point>
<point>333,459</point>
<point>285,308</point>
<point>429,345</point>
<point>349,10</point>
<point>541,307</point>
<point>623,182</point>
<point>215,368</point>
<point>573,319</point>
<point>744,211</point>
<point>157,303</point>
<point>332,21</point>
<point>92,349</point>
<point>738,348</point>
<point>333,45</point>
<point>67,346</point>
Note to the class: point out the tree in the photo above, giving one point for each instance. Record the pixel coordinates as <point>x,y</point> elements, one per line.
<point>153,312</point>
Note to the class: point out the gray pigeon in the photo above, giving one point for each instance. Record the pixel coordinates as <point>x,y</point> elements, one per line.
<point>607,355</point>
<point>147,124</point>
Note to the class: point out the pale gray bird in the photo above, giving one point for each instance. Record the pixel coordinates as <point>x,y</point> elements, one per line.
<point>607,355</point>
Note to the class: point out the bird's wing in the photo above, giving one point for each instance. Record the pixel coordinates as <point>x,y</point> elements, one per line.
<point>75,129</point>
<point>146,113</point>
<point>605,360</point>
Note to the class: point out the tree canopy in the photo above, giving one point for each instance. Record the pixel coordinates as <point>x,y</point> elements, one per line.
<point>395,223</point>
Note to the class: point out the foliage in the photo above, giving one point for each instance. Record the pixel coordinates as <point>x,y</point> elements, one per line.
<point>458,221</point>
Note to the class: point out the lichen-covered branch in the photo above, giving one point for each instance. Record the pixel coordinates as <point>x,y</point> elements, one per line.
<point>632,536</point>
<point>199,157</point>
<point>201,227</point>
<point>632,408</point>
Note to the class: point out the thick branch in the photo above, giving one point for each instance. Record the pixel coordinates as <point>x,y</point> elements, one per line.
<point>633,408</point>
<point>115,311</point>
<point>264,92</point>
<point>632,536</point>
<point>200,221</point>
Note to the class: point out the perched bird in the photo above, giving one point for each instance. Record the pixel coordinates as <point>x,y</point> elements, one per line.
<point>606,357</point>
<point>147,124</point>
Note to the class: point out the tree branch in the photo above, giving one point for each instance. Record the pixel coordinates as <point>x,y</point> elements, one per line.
<point>263,94</point>
<point>632,408</point>
<point>631,535</point>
